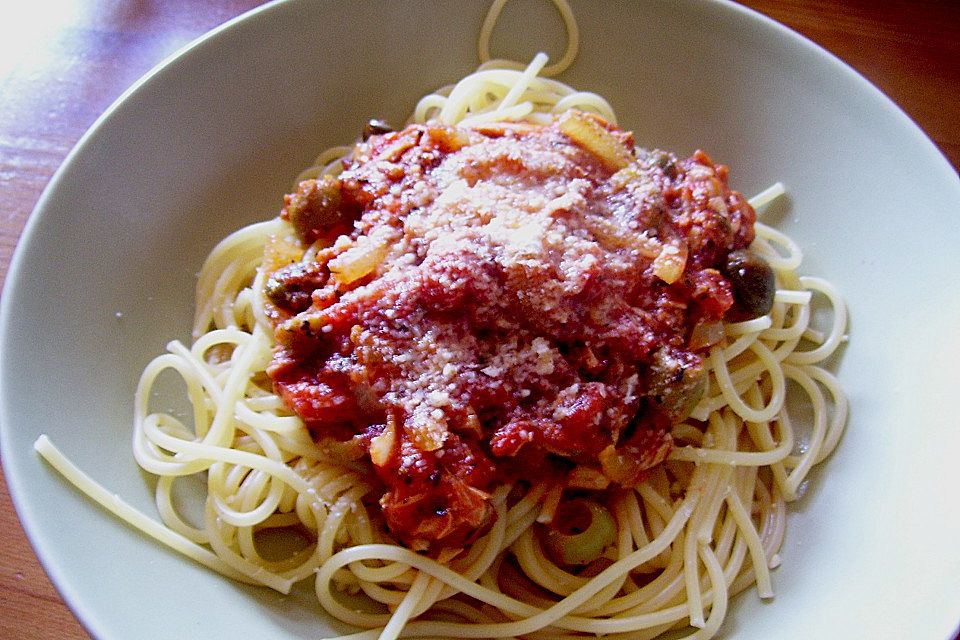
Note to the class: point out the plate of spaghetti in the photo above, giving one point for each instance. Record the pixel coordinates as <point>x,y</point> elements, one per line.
<point>602,327</point>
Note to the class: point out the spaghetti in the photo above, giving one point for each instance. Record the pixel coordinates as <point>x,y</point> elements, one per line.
<point>703,525</point>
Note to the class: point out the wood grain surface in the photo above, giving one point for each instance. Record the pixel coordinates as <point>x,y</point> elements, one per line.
<point>63,62</point>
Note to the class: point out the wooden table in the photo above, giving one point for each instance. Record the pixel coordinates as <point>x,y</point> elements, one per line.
<point>63,63</point>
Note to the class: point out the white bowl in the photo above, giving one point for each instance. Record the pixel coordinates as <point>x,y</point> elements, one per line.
<point>105,271</point>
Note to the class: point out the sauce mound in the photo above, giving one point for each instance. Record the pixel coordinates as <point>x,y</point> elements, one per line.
<point>500,303</point>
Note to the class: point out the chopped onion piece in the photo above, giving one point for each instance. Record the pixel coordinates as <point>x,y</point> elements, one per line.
<point>706,334</point>
<point>587,132</point>
<point>359,260</point>
<point>669,265</point>
<point>381,445</point>
<point>587,478</point>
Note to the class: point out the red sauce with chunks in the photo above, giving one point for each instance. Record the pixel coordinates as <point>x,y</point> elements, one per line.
<point>499,304</point>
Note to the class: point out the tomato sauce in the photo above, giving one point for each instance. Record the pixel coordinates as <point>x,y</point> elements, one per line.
<point>497,304</point>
